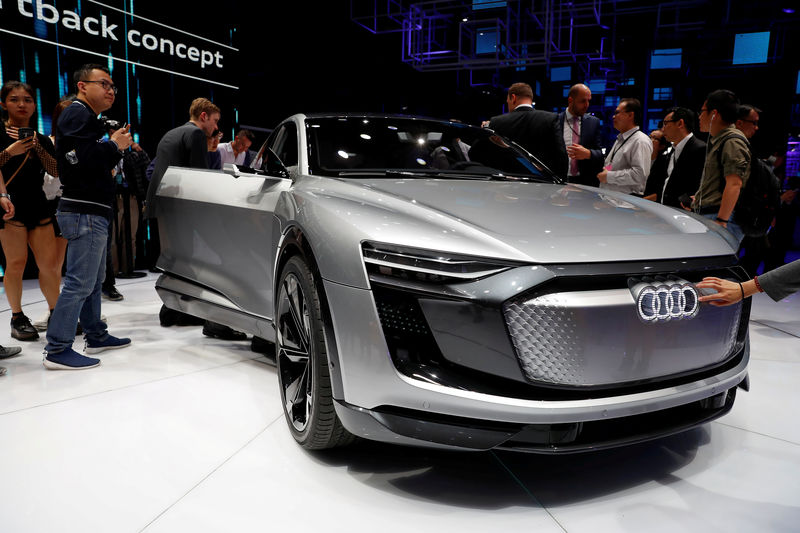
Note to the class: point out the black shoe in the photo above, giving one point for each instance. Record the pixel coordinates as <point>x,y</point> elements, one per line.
<point>169,317</point>
<point>78,329</point>
<point>11,351</point>
<point>263,346</point>
<point>22,329</point>
<point>112,294</point>
<point>219,331</point>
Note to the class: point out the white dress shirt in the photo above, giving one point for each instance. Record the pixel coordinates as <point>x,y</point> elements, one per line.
<point>226,154</point>
<point>630,161</point>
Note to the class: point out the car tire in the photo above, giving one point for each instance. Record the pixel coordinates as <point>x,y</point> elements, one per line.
<point>302,361</point>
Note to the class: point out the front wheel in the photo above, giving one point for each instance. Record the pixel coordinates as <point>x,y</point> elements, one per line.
<point>302,361</point>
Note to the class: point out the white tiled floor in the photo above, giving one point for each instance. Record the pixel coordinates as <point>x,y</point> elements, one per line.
<point>185,433</point>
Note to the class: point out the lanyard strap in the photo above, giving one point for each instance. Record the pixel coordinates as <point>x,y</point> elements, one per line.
<point>620,146</point>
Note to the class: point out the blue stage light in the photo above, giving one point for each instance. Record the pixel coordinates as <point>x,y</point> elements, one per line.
<point>666,58</point>
<point>597,86</point>
<point>487,4</point>
<point>486,42</point>
<point>751,48</point>
<point>560,73</point>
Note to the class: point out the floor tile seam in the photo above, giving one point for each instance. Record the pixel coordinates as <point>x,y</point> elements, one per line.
<point>211,473</point>
<point>134,385</point>
<point>527,491</point>
<point>796,336</point>
<point>771,437</point>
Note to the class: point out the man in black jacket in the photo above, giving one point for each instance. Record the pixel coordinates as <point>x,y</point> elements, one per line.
<point>533,129</point>
<point>685,167</point>
<point>186,145</point>
<point>85,161</point>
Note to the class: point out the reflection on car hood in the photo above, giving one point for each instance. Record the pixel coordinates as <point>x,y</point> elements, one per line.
<point>526,221</point>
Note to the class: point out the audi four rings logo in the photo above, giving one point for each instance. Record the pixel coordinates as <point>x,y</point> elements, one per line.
<point>664,300</point>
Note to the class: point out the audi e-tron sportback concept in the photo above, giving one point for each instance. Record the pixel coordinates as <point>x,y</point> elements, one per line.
<point>431,283</point>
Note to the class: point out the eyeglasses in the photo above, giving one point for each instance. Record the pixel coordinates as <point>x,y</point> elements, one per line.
<point>104,84</point>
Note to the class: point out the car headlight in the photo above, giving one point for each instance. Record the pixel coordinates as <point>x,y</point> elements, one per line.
<point>415,264</point>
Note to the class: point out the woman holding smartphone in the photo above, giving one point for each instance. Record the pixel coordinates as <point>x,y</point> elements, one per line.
<point>24,158</point>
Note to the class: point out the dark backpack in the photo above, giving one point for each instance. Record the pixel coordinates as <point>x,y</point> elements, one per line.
<point>759,199</point>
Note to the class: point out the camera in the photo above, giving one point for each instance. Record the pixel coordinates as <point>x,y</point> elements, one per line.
<point>111,124</point>
<point>24,133</point>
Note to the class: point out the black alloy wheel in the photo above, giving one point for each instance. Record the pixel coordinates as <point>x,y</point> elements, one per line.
<point>302,361</point>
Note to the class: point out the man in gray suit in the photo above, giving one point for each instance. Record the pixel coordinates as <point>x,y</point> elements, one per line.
<point>533,129</point>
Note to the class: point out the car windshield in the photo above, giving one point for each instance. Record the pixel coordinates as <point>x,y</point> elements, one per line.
<point>356,146</point>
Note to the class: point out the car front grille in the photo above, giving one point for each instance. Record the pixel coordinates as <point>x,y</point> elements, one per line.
<point>573,336</point>
<point>595,338</point>
<point>548,342</point>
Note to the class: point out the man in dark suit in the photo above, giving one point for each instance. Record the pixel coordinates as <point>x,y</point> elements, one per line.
<point>187,146</point>
<point>580,151</point>
<point>531,128</point>
<point>184,146</point>
<point>685,167</point>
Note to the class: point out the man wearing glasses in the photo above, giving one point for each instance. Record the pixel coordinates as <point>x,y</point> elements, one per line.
<point>628,162</point>
<point>687,159</point>
<point>85,160</point>
<point>747,121</point>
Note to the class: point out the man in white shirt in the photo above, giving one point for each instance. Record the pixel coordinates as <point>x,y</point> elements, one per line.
<point>236,151</point>
<point>627,164</point>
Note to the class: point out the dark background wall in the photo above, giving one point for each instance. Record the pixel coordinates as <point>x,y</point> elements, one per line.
<point>306,57</point>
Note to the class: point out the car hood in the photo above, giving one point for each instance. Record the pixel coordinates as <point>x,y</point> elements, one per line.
<point>526,221</point>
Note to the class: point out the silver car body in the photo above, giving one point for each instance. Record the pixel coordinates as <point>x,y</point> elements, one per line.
<point>223,236</point>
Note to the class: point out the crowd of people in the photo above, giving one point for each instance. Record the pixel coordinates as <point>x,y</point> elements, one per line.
<point>673,165</point>
<point>65,191</point>
<point>60,195</point>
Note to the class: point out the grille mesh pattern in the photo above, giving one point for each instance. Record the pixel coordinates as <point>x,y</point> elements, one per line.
<point>547,342</point>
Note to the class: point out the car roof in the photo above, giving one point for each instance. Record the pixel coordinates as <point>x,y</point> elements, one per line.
<point>384,115</point>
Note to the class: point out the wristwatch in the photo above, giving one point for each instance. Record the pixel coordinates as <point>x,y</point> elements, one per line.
<point>5,195</point>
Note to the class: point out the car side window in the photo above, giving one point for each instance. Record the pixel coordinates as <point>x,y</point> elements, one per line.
<point>285,144</point>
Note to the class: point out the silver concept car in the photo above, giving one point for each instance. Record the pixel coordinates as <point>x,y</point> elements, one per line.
<point>431,283</point>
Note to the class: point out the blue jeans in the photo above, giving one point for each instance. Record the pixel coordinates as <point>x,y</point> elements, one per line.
<point>81,295</point>
<point>733,227</point>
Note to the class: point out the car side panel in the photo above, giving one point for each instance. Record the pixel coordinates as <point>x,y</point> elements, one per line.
<point>219,231</point>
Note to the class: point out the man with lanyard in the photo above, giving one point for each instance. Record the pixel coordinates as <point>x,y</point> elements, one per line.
<point>628,163</point>
<point>727,161</point>
<point>85,162</point>
<point>581,147</point>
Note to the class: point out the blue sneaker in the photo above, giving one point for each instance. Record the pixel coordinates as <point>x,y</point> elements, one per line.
<point>69,359</point>
<point>111,343</point>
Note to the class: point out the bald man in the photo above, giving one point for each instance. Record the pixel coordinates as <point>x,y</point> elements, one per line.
<point>581,156</point>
